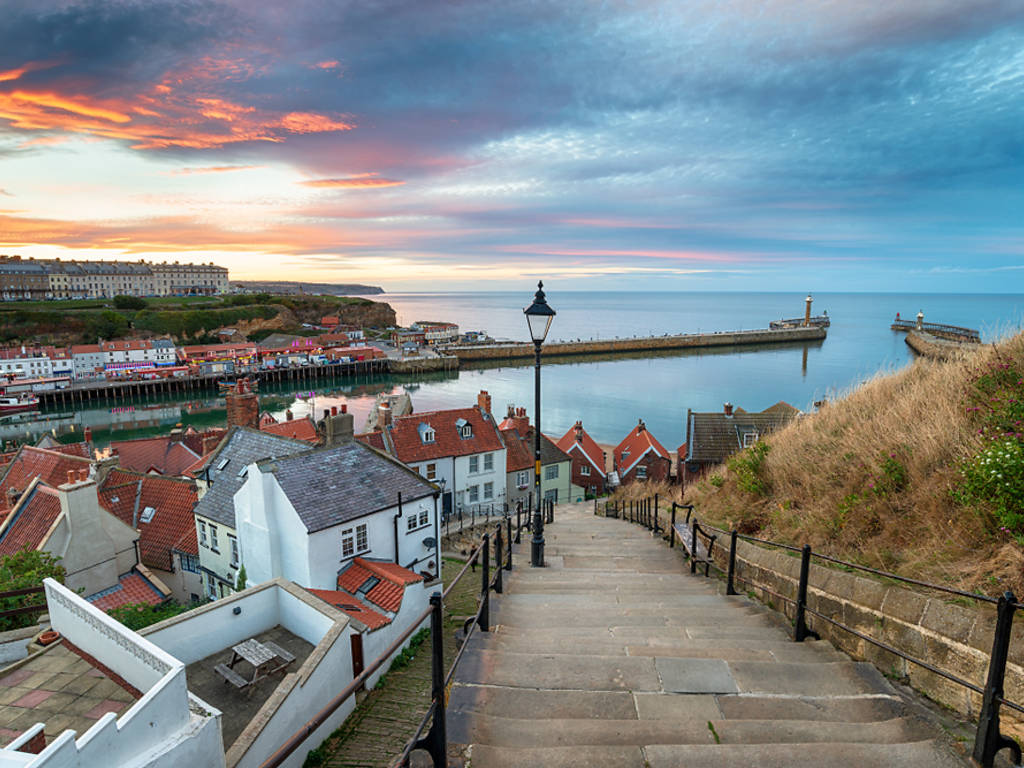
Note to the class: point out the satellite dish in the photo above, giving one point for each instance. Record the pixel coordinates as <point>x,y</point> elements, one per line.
<point>430,542</point>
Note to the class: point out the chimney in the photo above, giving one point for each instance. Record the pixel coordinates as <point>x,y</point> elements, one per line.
<point>340,428</point>
<point>334,410</point>
<point>288,415</point>
<point>727,408</point>
<point>640,427</point>
<point>210,442</point>
<point>383,415</point>
<point>87,434</point>
<point>243,406</point>
<point>578,426</point>
<point>484,401</point>
<point>807,311</point>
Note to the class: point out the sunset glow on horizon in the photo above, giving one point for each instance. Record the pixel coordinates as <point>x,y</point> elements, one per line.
<point>772,145</point>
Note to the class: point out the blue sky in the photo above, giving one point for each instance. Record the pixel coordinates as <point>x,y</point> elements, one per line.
<point>649,145</point>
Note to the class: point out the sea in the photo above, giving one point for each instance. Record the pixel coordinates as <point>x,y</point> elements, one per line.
<point>609,395</point>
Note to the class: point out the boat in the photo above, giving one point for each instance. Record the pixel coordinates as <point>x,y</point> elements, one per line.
<point>14,403</point>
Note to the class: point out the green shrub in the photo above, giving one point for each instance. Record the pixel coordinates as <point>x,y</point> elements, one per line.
<point>994,478</point>
<point>748,467</point>
<point>139,615</point>
<point>129,302</point>
<point>24,569</point>
<point>717,480</point>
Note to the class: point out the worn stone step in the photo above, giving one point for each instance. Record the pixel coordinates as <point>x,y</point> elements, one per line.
<point>514,732</point>
<point>530,702</point>
<point>635,615</point>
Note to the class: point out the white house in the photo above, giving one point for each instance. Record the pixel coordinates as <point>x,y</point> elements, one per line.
<point>88,360</point>
<point>25,363</point>
<point>461,450</point>
<point>304,517</point>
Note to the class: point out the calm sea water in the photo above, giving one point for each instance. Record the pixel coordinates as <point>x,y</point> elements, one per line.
<point>610,395</point>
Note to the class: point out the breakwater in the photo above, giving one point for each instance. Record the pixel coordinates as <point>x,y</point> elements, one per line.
<point>929,345</point>
<point>517,351</point>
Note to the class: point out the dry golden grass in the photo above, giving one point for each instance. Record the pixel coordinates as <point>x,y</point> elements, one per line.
<point>827,486</point>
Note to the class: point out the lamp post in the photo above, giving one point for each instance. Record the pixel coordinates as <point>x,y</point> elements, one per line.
<point>538,317</point>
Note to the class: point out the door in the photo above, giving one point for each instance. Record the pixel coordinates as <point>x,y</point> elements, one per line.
<point>357,657</point>
<point>446,505</point>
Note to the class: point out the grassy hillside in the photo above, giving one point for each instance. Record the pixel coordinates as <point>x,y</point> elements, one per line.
<point>920,472</point>
<point>186,319</point>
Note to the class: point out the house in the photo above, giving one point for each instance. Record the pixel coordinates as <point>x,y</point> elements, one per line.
<point>88,361</point>
<point>29,463</point>
<point>219,476</point>
<point>124,701</point>
<point>167,455</point>
<point>436,332</point>
<point>641,457</point>
<point>304,517</point>
<point>97,550</point>
<point>556,465</point>
<point>588,461</point>
<point>460,449</point>
<point>712,437</point>
<point>160,509</point>
<point>25,363</point>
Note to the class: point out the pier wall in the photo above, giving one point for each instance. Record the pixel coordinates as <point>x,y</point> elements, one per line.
<point>604,346</point>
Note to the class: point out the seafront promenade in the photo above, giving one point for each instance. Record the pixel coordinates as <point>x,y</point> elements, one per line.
<point>614,655</point>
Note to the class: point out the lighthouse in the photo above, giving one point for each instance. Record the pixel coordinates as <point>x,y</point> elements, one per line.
<point>807,312</point>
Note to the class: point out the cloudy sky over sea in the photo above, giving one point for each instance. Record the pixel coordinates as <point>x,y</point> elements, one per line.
<point>772,145</point>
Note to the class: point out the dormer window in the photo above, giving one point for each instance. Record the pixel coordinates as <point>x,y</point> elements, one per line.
<point>464,428</point>
<point>147,514</point>
<point>749,438</point>
<point>426,433</point>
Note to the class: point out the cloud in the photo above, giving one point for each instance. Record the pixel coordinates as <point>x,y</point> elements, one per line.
<point>212,169</point>
<point>358,181</point>
<point>5,193</point>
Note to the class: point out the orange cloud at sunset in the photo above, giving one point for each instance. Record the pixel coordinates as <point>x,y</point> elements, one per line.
<point>357,181</point>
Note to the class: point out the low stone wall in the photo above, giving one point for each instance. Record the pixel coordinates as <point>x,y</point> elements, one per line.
<point>954,638</point>
<point>423,364</point>
<point>603,346</point>
<point>930,345</point>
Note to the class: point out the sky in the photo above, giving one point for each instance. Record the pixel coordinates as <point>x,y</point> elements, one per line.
<point>700,145</point>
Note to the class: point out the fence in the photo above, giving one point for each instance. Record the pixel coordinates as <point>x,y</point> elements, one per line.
<point>21,609</point>
<point>460,520</point>
<point>435,742</point>
<point>699,540</point>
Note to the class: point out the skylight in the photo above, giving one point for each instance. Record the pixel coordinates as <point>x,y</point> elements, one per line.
<point>147,515</point>
<point>223,463</point>
<point>367,585</point>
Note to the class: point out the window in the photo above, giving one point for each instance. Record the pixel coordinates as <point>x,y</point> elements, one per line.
<point>211,587</point>
<point>585,470</point>
<point>474,493</point>
<point>147,515</point>
<point>551,472</point>
<point>488,490</point>
<point>233,542</point>
<point>488,462</point>
<point>641,472</point>
<point>354,541</point>
<point>213,539</point>
<point>189,563</point>
<point>410,522</point>
<point>749,438</point>
<point>202,533</point>
<point>424,516</point>
<point>362,538</point>
<point>431,471</point>
<point>523,478</point>
<point>474,464</point>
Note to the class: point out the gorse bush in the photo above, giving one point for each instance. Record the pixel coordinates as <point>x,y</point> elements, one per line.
<point>748,467</point>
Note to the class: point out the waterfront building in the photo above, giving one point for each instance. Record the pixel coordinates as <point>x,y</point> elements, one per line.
<point>25,363</point>
<point>88,362</point>
<point>711,438</point>
<point>461,449</point>
<point>589,475</point>
<point>555,464</point>
<point>436,332</point>
<point>641,457</point>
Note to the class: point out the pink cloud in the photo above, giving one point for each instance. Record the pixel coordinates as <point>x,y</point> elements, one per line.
<point>356,181</point>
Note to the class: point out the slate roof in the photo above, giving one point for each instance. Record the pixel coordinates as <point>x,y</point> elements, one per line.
<point>31,462</point>
<point>297,429</point>
<point>637,443</point>
<point>132,588</point>
<point>166,455</point>
<point>241,447</point>
<point>30,521</point>
<point>712,437</point>
<point>587,446</point>
<point>127,495</point>
<point>403,435</point>
<point>330,486</point>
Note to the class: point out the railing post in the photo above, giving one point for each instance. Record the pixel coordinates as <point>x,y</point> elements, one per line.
<point>485,591</point>
<point>436,740</point>
<point>551,511</point>
<point>989,740</point>
<point>672,530</point>
<point>519,521</point>
<point>693,547</point>
<point>656,528</point>
<point>508,564</point>
<point>730,589</point>
<point>498,553</point>
<point>800,629</point>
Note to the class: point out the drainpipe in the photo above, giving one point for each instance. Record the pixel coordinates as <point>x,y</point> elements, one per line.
<point>395,521</point>
<point>437,536</point>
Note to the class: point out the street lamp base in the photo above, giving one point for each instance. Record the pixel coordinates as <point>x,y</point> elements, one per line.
<point>537,553</point>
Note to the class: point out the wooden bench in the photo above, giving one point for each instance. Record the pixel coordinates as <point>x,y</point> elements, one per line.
<point>685,534</point>
<point>230,676</point>
<point>280,652</point>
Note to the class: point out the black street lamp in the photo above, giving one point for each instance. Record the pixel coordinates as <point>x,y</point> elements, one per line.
<point>538,317</point>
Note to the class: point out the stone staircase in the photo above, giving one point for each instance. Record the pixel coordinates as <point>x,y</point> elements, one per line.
<point>614,655</point>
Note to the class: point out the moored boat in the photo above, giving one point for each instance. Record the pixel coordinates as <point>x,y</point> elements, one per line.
<point>13,403</point>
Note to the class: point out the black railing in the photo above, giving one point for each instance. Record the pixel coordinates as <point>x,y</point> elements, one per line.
<point>988,739</point>
<point>938,329</point>
<point>435,742</point>
<point>24,608</point>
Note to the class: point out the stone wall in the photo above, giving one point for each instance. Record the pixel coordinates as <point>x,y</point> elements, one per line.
<point>930,345</point>
<point>954,638</point>
<point>603,346</point>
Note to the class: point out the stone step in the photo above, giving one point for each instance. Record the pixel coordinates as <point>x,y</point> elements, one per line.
<point>633,615</point>
<point>739,637</point>
<point>917,754</point>
<point>515,732</point>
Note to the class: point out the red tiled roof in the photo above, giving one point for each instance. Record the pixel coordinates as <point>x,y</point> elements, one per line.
<point>518,456</point>
<point>588,446</point>
<point>189,543</point>
<point>353,607</point>
<point>637,443</point>
<point>74,449</point>
<point>389,592</point>
<point>85,349</point>
<point>266,418</point>
<point>122,495</point>
<point>374,440</point>
<point>31,462</point>
<point>404,435</point>
<point>297,429</point>
<point>132,588</point>
<point>30,521</point>
<point>162,454</point>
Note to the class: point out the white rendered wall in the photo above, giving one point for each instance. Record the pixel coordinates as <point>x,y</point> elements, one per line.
<point>415,600</point>
<point>325,547</point>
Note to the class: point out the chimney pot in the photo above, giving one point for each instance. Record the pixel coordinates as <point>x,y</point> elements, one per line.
<point>87,434</point>
<point>71,475</point>
<point>334,410</point>
<point>727,408</point>
<point>288,415</point>
<point>344,408</point>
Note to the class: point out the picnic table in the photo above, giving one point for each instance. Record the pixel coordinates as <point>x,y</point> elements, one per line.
<point>264,658</point>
